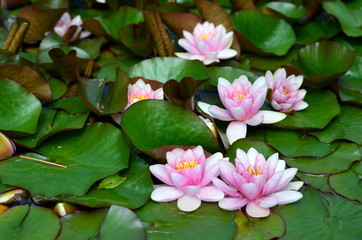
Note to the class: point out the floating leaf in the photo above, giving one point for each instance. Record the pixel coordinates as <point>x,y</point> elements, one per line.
<point>181,94</point>
<point>41,20</point>
<point>179,22</point>
<point>87,161</point>
<point>278,36</point>
<point>103,97</point>
<point>118,221</point>
<point>314,31</point>
<point>347,125</point>
<point>72,105</point>
<point>338,161</point>
<point>263,228</point>
<point>298,144</point>
<point>164,69</point>
<point>322,108</point>
<point>229,74</point>
<point>52,122</point>
<point>57,87</point>
<point>134,192</point>
<point>18,114</point>
<point>209,221</point>
<point>350,19</point>
<point>111,182</point>
<point>318,72</point>
<point>318,181</point>
<point>136,38</point>
<point>350,84</point>
<point>29,222</point>
<point>348,184</point>
<point>329,217</point>
<point>153,123</point>
<point>285,10</point>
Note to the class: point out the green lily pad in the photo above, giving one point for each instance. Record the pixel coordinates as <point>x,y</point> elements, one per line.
<point>153,123</point>
<point>229,74</point>
<point>133,193</point>
<point>72,105</point>
<point>289,143</point>
<point>209,221</point>
<point>313,31</point>
<point>166,68</point>
<point>4,188</point>
<point>18,114</point>
<point>350,84</point>
<point>29,222</point>
<point>117,223</point>
<point>102,97</point>
<point>347,125</point>
<point>323,107</point>
<point>245,144</point>
<point>52,122</point>
<point>348,183</point>
<point>87,161</point>
<point>125,15</point>
<point>289,10</point>
<point>263,228</point>
<point>57,87</point>
<point>317,71</point>
<point>91,46</point>
<point>338,161</point>
<point>328,217</point>
<point>278,35</point>
<point>350,19</point>
<point>271,62</point>
<point>318,181</point>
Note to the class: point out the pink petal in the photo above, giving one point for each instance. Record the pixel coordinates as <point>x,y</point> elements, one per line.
<point>249,190</point>
<point>191,190</point>
<point>267,202</point>
<point>300,106</point>
<point>210,172</point>
<point>271,116</point>
<point>188,203</point>
<point>227,169</point>
<point>160,171</point>
<point>287,176</point>
<point>84,34</point>
<point>236,130</point>
<point>187,46</point>
<point>210,194</point>
<point>286,197</point>
<point>232,204</point>
<point>296,185</point>
<point>166,194</point>
<point>255,211</point>
<point>189,56</point>
<point>227,53</point>
<point>271,184</point>
<point>224,82</point>
<point>178,180</point>
<point>158,94</point>
<point>225,188</point>
<point>220,113</point>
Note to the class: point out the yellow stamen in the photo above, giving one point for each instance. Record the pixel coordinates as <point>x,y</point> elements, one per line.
<point>241,96</point>
<point>183,165</point>
<point>254,173</point>
<point>204,36</point>
<point>285,91</point>
<point>140,97</point>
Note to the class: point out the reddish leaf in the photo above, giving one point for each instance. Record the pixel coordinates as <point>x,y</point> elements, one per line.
<point>178,22</point>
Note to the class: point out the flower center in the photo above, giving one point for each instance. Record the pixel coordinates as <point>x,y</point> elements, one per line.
<point>139,96</point>
<point>285,91</point>
<point>239,95</point>
<point>183,165</point>
<point>254,173</point>
<point>204,36</point>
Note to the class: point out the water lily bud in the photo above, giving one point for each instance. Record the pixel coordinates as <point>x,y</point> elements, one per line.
<point>12,196</point>
<point>3,208</point>
<point>142,91</point>
<point>210,125</point>
<point>7,147</point>
<point>207,43</point>
<point>285,94</point>
<point>64,208</point>
<point>64,24</point>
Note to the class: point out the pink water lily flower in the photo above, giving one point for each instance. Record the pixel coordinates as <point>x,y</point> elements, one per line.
<point>285,95</point>
<point>207,43</point>
<point>142,91</point>
<point>242,101</point>
<point>188,175</point>
<point>65,22</point>
<point>256,183</point>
